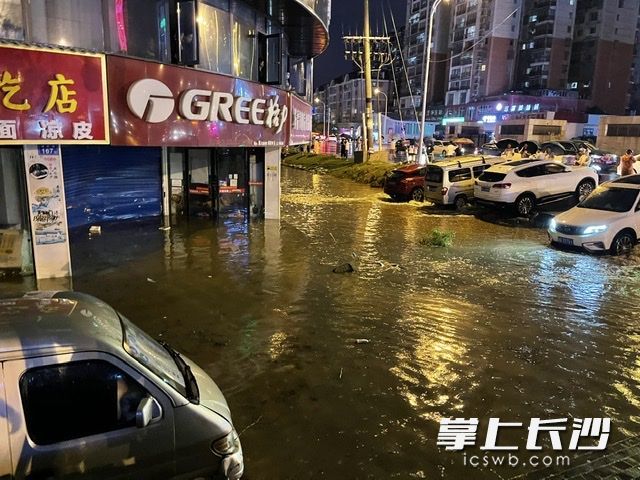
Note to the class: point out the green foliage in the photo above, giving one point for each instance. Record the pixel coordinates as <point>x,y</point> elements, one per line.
<point>438,238</point>
<point>372,173</point>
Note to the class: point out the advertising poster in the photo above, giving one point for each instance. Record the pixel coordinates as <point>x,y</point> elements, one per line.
<point>45,185</point>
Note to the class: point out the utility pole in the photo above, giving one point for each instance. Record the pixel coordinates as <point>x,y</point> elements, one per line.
<point>368,89</point>
<point>369,54</point>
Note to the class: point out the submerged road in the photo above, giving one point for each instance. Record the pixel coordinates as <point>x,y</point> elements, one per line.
<point>497,325</point>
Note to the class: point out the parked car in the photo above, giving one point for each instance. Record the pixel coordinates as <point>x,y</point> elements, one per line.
<point>490,149</point>
<point>466,145</point>
<point>607,220</point>
<point>443,148</point>
<point>604,162</point>
<point>87,394</point>
<point>451,182</point>
<point>406,183</point>
<point>524,184</point>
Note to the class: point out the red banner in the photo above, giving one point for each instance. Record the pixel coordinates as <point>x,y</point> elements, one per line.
<point>164,105</point>
<point>52,97</point>
<point>301,119</point>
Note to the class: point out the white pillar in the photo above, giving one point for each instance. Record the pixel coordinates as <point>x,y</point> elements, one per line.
<point>272,183</point>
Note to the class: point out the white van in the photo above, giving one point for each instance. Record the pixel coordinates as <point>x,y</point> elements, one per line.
<point>451,182</point>
<point>84,393</point>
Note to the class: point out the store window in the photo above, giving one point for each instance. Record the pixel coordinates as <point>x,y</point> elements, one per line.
<point>244,58</point>
<point>215,39</point>
<point>11,20</point>
<point>139,28</point>
<point>78,399</point>
<point>69,23</point>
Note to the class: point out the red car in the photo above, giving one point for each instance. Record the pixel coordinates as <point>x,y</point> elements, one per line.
<point>406,183</point>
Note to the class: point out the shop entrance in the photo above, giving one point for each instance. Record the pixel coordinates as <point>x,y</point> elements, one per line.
<point>209,183</point>
<point>16,254</point>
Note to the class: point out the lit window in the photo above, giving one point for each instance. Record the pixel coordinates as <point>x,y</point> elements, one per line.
<point>513,108</point>
<point>520,108</point>
<point>533,18</point>
<point>527,108</point>
<point>524,46</point>
<point>483,68</point>
<point>536,106</point>
<point>531,45</point>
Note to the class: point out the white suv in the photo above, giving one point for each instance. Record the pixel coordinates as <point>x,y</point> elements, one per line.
<point>609,219</point>
<point>443,149</point>
<point>526,183</point>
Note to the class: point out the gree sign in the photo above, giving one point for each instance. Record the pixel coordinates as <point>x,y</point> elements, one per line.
<point>152,104</point>
<point>152,101</point>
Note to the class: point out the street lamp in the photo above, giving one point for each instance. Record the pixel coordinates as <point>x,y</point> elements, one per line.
<point>377,91</point>
<point>426,78</point>
<point>324,116</point>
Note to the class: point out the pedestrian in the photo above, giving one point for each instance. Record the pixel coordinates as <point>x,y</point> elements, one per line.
<point>343,148</point>
<point>524,153</point>
<point>516,154</point>
<point>548,154</point>
<point>626,163</point>
<point>583,159</point>
<point>508,152</point>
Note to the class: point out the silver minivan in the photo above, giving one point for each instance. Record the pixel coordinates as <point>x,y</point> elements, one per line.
<point>84,393</point>
<point>451,182</point>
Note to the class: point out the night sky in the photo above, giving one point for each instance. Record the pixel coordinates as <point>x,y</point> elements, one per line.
<point>346,17</point>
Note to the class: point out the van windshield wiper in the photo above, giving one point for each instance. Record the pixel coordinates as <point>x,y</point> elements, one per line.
<point>193,393</point>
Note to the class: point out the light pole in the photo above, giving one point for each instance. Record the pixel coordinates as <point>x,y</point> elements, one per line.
<point>426,78</point>
<point>377,91</point>
<point>324,116</point>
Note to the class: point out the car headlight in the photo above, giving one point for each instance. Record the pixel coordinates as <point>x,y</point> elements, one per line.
<point>593,229</point>
<point>552,225</point>
<point>227,445</point>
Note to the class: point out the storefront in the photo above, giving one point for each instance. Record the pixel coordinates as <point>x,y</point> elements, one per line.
<point>178,144</point>
<point>50,99</point>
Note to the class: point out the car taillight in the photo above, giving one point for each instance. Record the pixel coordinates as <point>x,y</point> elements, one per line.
<point>444,190</point>
<point>502,185</point>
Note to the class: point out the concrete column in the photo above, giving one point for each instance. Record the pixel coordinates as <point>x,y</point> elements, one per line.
<point>272,183</point>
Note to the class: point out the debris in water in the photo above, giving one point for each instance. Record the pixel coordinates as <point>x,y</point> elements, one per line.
<point>344,268</point>
<point>151,280</point>
<point>164,228</point>
<point>362,340</point>
<point>95,229</point>
<point>334,238</point>
<point>340,377</point>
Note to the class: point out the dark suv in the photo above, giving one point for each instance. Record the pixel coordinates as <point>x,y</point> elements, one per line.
<point>406,183</point>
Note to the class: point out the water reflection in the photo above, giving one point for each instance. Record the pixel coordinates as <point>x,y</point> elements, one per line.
<point>497,325</point>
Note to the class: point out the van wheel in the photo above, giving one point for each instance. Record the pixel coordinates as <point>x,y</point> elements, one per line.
<point>525,204</point>
<point>460,202</point>
<point>623,243</point>
<point>417,194</point>
<point>584,189</point>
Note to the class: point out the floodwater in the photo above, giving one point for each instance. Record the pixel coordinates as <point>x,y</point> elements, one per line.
<point>497,325</point>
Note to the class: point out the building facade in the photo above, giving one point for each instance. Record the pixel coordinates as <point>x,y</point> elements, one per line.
<point>155,109</point>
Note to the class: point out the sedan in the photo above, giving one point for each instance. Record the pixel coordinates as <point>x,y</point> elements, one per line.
<point>607,220</point>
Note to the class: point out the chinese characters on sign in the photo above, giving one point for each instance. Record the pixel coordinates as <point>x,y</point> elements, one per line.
<point>52,97</point>
<point>587,433</point>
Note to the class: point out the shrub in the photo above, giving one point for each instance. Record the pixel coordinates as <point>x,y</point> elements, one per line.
<point>438,238</point>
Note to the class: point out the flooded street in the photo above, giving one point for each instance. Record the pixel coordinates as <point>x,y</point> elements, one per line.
<point>498,325</point>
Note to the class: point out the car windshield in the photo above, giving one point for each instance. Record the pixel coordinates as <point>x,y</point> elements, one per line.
<point>611,199</point>
<point>152,355</point>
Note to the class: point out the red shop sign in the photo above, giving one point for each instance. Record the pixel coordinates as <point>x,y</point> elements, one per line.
<point>301,119</point>
<point>166,105</point>
<point>52,97</point>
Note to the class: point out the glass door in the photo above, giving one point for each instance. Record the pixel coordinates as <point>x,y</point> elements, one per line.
<point>201,188</point>
<point>233,182</point>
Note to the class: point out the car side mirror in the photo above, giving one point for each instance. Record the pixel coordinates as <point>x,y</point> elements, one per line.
<point>149,411</point>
